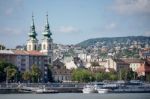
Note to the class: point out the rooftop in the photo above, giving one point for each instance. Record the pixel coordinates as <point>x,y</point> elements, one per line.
<point>20,52</point>
<point>36,53</point>
<point>129,60</point>
<point>6,52</point>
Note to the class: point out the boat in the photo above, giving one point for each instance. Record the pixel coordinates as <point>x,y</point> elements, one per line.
<point>89,89</point>
<point>44,91</point>
<point>106,88</point>
<point>103,90</point>
<point>133,86</point>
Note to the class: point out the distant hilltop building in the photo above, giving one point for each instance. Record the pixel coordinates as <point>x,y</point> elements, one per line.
<point>41,56</point>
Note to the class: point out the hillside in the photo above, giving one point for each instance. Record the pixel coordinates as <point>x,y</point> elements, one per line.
<point>111,40</point>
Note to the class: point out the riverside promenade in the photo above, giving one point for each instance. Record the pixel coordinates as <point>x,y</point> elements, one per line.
<point>60,87</point>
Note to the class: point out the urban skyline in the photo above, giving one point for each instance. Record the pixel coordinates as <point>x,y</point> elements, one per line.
<point>72,21</point>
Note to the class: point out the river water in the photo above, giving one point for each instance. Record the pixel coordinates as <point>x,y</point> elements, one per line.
<point>77,96</point>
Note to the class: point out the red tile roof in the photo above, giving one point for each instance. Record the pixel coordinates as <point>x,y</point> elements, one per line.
<point>20,52</point>
<point>36,53</point>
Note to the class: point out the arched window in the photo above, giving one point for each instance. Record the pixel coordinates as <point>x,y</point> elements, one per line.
<point>34,47</point>
<point>43,46</point>
<point>29,47</point>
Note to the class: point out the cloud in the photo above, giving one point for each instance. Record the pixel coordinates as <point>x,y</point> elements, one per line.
<point>9,7</point>
<point>110,26</point>
<point>10,31</point>
<point>9,11</point>
<point>67,29</point>
<point>132,6</point>
<point>18,2</point>
<point>147,33</point>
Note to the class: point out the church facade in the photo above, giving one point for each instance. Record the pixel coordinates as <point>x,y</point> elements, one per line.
<point>46,43</point>
<point>39,54</point>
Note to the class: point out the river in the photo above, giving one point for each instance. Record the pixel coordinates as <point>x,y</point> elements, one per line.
<point>77,96</point>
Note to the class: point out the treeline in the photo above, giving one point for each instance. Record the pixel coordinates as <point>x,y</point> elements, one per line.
<point>86,75</point>
<point>9,73</point>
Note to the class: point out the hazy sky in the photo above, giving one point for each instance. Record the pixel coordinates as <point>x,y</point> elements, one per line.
<point>72,21</point>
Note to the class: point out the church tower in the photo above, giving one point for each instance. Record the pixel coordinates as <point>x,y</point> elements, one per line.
<point>32,43</point>
<point>47,42</point>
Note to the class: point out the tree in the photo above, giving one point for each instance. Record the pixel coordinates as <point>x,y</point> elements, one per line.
<point>82,75</point>
<point>131,75</point>
<point>35,73</point>
<point>112,76</point>
<point>122,74</point>
<point>10,73</point>
<point>76,75</point>
<point>26,76</point>
<point>99,76</point>
<point>49,74</point>
<point>2,72</point>
<point>127,74</point>
<point>148,77</point>
<point>105,76</point>
<point>19,76</point>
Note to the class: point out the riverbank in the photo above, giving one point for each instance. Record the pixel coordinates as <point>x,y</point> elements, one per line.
<point>32,87</point>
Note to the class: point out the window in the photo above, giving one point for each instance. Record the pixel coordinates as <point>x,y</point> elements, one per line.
<point>44,46</point>
<point>29,47</point>
<point>34,47</point>
<point>49,60</point>
<point>49,46</point>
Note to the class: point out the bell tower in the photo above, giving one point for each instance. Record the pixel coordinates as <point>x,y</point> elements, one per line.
<point>47,42</point>
<point>32,42</point>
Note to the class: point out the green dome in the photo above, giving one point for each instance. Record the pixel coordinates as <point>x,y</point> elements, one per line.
<point>47,32</point>
<point>32,32</point>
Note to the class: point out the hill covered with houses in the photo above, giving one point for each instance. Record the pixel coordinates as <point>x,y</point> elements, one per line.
<point>113,41</point>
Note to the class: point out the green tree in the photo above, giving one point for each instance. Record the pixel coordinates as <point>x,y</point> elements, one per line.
<point>3,66</point>
<point>122,74</point>
<point>10,73</point>
<point>49,73</point>
<point>105,76</point>
<point>148,77</point>
<point>35,73</point>
<point>130,75</point>
<point>82,75</point>
<point>76,75</point>
<point>3,71</point>
<point>26,76</point>
<point>99,76</point>
<point>19,76</point>
<point>113,76</point>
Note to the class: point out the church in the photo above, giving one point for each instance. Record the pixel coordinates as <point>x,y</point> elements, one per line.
<point>46,44</point>
<point>36,53</point>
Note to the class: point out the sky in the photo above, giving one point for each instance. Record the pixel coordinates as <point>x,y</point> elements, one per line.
<point>73,21</point>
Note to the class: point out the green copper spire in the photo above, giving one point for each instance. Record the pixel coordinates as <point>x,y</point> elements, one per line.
<point>32,32</point>
<point>47,32</point>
